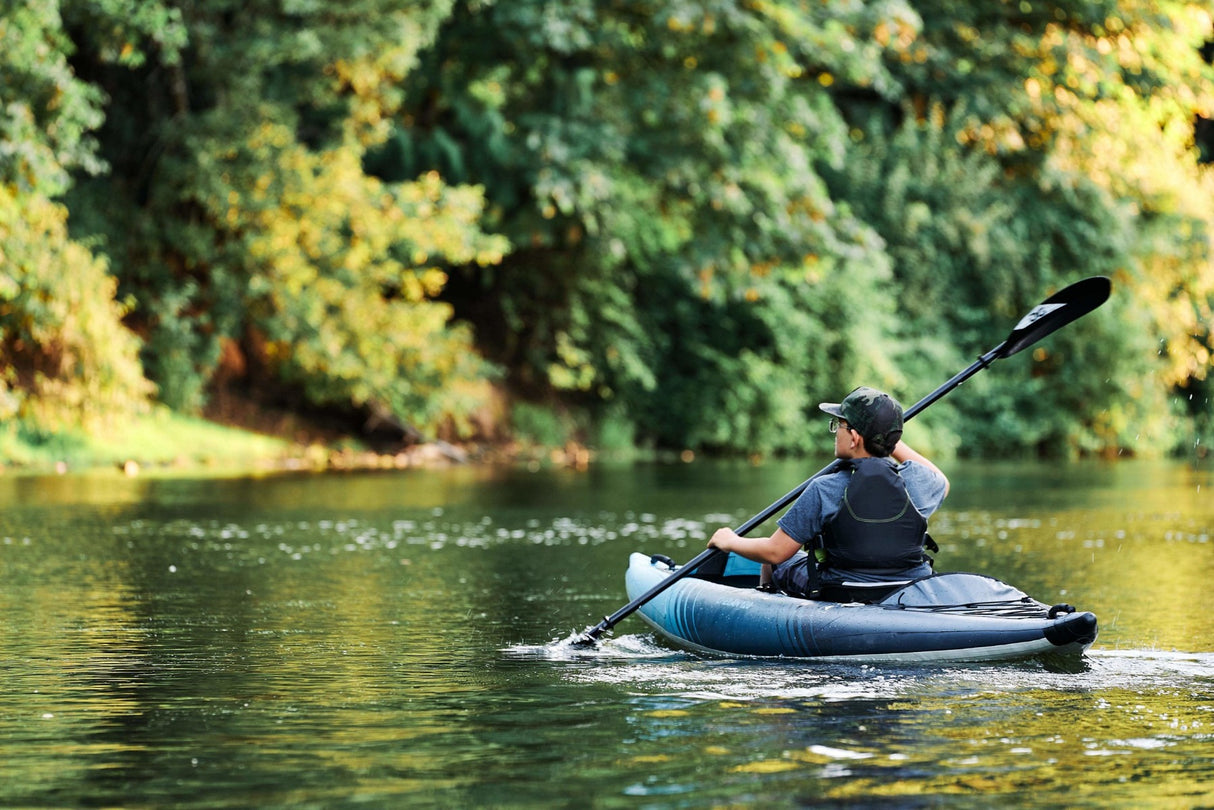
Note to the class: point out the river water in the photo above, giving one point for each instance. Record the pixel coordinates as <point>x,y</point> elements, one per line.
<point>398,640</point>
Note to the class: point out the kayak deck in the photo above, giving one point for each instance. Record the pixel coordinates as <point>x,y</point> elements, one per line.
<point>947,617</point>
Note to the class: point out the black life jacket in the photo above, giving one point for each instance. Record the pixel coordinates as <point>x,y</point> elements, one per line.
<point>877,529</point>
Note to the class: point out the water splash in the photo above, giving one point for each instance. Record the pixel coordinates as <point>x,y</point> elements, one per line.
<point>607,649</point>
<point>644,666</point>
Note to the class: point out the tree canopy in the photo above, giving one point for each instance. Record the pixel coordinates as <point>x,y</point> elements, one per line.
<point>675,224</point>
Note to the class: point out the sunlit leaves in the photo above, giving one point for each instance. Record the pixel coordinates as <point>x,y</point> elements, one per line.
<point>256,224</point>
<point>46,113</point>
<point>344,272</point>
<point>664,151</point>
<point>1135,138</point>
<point>1087,111</point>
<point>67,362</point>
<point>708,212</point>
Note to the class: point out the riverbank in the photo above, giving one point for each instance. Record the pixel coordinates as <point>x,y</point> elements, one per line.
<point>163,442</point>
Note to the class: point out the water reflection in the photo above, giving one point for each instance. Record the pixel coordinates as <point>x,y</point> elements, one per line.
<point>924,731</point>
<point>397,639</point>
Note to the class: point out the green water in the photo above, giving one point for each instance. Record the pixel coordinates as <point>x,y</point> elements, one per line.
<point>395,640</point>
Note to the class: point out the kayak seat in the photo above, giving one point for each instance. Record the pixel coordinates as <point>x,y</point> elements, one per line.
<point>865,592</point>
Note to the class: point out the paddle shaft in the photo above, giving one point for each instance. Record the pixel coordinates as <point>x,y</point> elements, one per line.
<point>704,556</point>
<point>1052,314</point>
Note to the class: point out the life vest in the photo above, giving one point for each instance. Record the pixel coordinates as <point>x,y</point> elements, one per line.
<point>877,529</point>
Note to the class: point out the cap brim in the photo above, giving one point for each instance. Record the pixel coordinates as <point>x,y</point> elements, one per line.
<point>832,408</point>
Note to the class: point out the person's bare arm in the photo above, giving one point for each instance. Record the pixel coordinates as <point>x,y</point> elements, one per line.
<point>774,549</point>
<point>904,452</point>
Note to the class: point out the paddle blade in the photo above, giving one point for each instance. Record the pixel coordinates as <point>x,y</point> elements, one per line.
<point>587,638</point>
<point>1057,311</point>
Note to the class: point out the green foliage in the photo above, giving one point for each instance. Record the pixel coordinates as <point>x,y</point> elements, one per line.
<point>258,226</point>
<point>46,113</point>
<point>663,163</point>
<point>973,248</point>
<point>680,225</point>
<point>540,425</point>
<point>157,440</point>
<point>68,363</point>
<point>1039,145</point>
<point>614,434</point>
<point>343,270</point>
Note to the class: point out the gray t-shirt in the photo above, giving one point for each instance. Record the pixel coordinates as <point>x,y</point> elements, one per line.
<point>821,499</point>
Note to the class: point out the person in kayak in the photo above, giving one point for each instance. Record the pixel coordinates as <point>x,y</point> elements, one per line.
<point>861,526</point>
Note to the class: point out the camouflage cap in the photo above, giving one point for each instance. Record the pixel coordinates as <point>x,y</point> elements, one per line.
<point>873,414</point>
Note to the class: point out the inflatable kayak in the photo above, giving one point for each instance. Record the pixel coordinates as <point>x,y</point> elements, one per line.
<point>945,617</point>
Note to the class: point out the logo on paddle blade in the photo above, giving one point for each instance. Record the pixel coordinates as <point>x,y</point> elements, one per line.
<point>1038,312</point>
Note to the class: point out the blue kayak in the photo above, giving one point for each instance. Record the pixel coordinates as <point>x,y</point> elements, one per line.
<point>945,617</point>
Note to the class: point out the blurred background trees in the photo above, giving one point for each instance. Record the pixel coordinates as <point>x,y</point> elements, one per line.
<point>673,225</point>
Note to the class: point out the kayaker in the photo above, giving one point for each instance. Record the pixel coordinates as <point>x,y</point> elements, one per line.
<point>860,526</point>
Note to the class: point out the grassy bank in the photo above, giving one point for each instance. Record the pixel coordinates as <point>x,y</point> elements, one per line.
<point>161,440</point>
<point>168,443</point>
<point>165,442</point>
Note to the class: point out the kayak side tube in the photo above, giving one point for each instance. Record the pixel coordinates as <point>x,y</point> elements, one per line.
<point>916,623</point>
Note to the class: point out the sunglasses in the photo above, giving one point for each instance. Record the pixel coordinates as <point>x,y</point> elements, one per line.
<point>836,423</point>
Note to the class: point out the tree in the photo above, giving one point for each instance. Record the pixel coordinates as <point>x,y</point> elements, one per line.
<point>657,166</point>
<point>67,362</point>
<point>240,218</point>
<point>1068,128</point>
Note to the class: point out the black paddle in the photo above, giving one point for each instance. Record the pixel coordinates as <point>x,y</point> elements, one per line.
<point>1047,317</point>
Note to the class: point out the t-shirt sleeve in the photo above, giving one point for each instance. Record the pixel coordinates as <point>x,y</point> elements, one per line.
<point>809,513</point>
<point>926,487</point>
